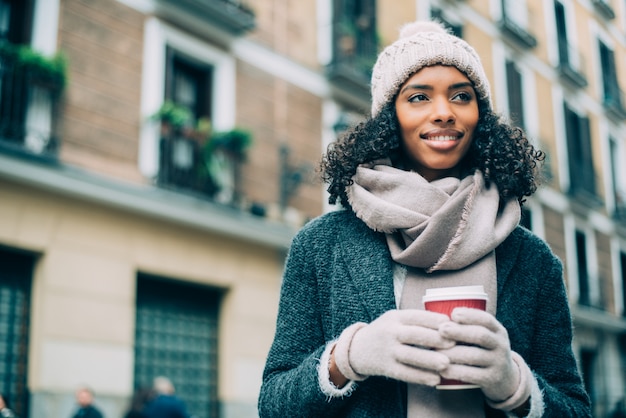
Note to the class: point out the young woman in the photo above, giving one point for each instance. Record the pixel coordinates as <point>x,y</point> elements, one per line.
<point>431,187</point>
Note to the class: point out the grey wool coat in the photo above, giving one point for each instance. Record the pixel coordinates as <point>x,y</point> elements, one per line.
<point>338,271</point>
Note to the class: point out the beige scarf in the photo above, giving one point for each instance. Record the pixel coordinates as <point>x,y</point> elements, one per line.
<point>446,232</point>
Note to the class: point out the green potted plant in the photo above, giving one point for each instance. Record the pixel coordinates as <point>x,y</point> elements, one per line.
<point>40,69</point>
<point>223,155</point>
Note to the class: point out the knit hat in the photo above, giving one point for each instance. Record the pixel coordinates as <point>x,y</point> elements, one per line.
<point>423,44</point>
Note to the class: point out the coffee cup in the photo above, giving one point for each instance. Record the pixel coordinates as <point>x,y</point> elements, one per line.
<point>444,300</point>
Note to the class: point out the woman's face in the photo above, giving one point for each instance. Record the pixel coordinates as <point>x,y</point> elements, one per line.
<point>437,110</point>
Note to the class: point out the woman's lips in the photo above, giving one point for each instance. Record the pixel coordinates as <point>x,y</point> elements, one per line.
<point>442,142</point>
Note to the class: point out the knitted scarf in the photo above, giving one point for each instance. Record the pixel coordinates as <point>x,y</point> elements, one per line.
<point>445,232</point>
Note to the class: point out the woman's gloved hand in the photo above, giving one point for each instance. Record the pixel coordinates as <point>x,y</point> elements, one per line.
<point>483,356</point>
<point>400,344</point>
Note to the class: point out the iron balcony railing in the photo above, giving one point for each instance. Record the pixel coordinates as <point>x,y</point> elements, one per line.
<point>29,98</point>
<point>354,53</point>
<point>571,64</point>
<point>614,102</point>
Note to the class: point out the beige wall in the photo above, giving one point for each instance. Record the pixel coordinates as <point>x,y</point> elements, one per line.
<point>83,311</point>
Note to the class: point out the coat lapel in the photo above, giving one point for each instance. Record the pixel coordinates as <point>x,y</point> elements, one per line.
<point>370,267</point>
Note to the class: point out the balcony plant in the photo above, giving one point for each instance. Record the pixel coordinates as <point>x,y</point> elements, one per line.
<point>217,156</point>
<point>40,69</point>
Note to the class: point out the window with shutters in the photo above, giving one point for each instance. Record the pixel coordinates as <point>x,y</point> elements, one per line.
<point>570,58</point>
<point>618,182</point>
<point>177,336</point>
<point>580,159</point>
<point>622,263</point>
<point>612,96</point>
<point>584,295</point>
<point>516,98</point>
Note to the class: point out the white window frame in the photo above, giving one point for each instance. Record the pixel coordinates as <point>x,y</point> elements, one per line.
<point>570,29</point>
<point>157,37</point>
<point>520,16</point>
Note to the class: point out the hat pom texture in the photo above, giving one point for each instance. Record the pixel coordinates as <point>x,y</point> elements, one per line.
<point>423,44</point>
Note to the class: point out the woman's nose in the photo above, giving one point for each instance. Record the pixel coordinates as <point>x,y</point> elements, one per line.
<point>442,111</point>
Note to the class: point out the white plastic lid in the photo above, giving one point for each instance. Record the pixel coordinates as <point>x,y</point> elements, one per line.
<point>455,293</point>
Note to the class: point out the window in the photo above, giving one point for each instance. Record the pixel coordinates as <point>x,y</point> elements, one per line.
<point>582,175</point>
<point>622,260</point>
<point>14,28</point>
<point>516,98</point>
<point>569,58</point>
<point>526,219</point>
<point>355,44</point>
<point>188,83</point>
<point>15,20</point>
<point>176,336</point>
<point>584,296</point>
<point>612,95</point>
<point>617,189</point>
<point>200,77</point>
<point>587,366</point>
<point>515,22</point>
<point>28,97</point>
<point>15,283</point>
<point>438,14</point>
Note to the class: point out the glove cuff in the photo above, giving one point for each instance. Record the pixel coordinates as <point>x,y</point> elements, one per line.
<point>342,352</point>
<point>523,391</point>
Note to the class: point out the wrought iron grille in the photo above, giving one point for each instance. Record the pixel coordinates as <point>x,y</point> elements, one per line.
<point>176,337</point>
<point>15,284</point>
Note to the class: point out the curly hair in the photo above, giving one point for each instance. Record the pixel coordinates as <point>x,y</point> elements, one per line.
<point>499,150</point>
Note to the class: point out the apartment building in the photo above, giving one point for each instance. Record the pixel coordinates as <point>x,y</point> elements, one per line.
<point>157,156</point>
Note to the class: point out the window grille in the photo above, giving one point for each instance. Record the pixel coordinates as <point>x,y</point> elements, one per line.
<point>15,284</point>
<point>176,336</point>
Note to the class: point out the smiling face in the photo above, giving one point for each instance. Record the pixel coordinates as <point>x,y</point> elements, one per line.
<point>437,110</point>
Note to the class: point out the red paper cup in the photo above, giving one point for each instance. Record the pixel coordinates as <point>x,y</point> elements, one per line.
<point>444,300</point>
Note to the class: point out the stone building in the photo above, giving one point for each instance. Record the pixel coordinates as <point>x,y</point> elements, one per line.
<point>157,156</point>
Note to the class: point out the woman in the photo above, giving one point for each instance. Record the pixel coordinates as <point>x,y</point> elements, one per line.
<point>432,185</point>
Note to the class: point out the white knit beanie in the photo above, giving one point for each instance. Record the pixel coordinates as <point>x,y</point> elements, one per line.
<point>423,44</point>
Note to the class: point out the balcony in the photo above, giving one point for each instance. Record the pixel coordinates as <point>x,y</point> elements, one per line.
<point>513,29</point>
<point>233,16</point>
<point>195,161</point>
<point>570,65</point>
<point>614,102</point>
<point>30,89</point>
<point>355,50</point>
<point>604,9</point>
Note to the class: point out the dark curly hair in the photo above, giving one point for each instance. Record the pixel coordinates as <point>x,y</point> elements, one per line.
<point>499,150</point>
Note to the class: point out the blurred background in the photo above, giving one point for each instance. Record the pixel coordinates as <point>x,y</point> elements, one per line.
<point>157,156</point>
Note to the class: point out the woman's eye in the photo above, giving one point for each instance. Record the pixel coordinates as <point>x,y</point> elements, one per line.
<point>418,98</point>
<point>462,96</point>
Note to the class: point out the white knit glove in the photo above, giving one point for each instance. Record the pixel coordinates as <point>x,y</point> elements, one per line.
<point>399,344</point>
<point>488,361</point>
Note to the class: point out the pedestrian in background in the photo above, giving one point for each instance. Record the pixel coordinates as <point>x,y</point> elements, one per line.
<point>165,404</point>
<point>141,398</point>
<point>85,400</point>
<point>431,186</point>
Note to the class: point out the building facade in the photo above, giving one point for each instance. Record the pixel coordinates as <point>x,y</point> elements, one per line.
<point>157,156</point>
